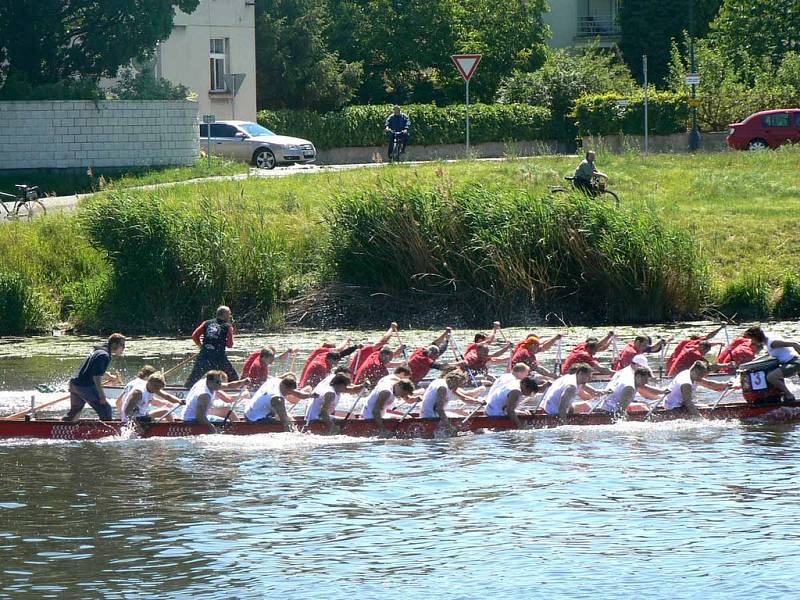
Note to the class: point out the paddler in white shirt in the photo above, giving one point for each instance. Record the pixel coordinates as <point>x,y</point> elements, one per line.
<point>200,398</point>
<point>440,392</point>
<point>142,375</point>
<point>786,352</point>
<point>621,391</point>
<point>683,386</point>
<point>568,389</point>
<point>326,398</point>
<point>646,390</point>
<point>381,399</point>
<point>268,404</point>
<point>137,401</point>
<point>505,395</point>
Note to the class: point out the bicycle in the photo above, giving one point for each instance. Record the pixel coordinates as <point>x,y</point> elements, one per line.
<point>24,205</point>
<point>597,188</point>
<point>396,155</point>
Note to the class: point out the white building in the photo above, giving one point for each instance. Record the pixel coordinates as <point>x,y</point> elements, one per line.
<point>211,51</point>
<point>581,22</point>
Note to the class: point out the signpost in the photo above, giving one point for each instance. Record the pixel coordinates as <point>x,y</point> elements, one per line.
<point>208,120</point>
<point>466,65</point>
<point>646,136</point>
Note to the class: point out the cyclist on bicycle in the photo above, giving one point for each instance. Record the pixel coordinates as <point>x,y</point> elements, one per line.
<point>397,125</point>
<point>586,174</point>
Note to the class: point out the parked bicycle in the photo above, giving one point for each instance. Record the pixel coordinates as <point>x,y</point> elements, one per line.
<point>24,204</point>
<point>597,188</point>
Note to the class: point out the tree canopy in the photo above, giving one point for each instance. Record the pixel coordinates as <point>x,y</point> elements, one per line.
<point>649,27</point>
<point>49,42</point>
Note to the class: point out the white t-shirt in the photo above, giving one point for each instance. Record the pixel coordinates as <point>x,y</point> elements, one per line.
<point>260,405</point>
<point>314,410</point>
<point>385,384</point>
<point>430,397</point>
<point>784,355</point>
<point>498,395</point>
<point>190,411</point>
<point>622,380</point>
<point>552,397</point>
<point>142,405</point>
<point>675,397</point>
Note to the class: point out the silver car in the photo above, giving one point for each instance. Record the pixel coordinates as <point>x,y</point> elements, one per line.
<point>248,141</point>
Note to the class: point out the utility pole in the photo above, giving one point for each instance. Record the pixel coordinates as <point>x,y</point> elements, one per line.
<point>694,134</point>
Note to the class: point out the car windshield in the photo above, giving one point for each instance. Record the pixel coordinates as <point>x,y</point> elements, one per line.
<point>255,129</point>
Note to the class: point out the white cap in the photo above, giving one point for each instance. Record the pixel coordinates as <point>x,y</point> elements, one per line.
<point>641,360</point>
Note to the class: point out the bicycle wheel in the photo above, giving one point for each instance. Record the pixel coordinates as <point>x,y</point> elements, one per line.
<point>613,195</point>
<point>26,210</point>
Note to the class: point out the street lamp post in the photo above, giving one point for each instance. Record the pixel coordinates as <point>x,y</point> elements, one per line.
<point>694,134</point>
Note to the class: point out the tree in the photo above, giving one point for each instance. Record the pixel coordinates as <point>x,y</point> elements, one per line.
<point>49,42</point>
<point>295,66</point>
<point>649,27</point>
<point>762,29</point>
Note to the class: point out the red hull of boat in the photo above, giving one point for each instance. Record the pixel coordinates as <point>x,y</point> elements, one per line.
<point>410,428</point>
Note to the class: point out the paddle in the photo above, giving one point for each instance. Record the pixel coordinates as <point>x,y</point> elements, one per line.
<point>235,402</point>
<point>403,418</point>
<point>180,364</point>
<point>663,359</point>
<point>724,393</point>
<point>460,357</point>
<point>353,407</point>
<point>557,362</point>
<point>21,414</point>
<point>655,406</point>
<point>473,413</point>
<point>399,341</point>
<point>172,410</point>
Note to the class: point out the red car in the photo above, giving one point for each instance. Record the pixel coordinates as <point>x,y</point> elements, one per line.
<point>766,129</point>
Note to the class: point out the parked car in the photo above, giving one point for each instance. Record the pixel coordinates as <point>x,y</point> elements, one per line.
<point>245,140</point>
<point>766,129</point>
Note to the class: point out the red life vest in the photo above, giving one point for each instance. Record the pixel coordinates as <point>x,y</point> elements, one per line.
<point>625,357</point>
<point>680,348</point>
<point>371,369</point>
<point>420,364</point>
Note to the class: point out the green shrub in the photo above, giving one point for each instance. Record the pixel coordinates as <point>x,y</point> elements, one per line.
<point>24,309</point>
<point>486,251</point>
<point>363,125</point>
<point>787,301</point>
<point>746,296</point>
<point>602,114</point>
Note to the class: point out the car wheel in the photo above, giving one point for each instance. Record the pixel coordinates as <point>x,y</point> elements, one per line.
<point>264,159</point>
<point>758,144</point>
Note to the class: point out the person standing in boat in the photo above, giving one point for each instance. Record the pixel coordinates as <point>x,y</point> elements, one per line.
<point>200,398</point>
<point>87,384</point>
<point>584,353</point>
<point>506,394</point>
<point>268,404</point>
<point>559,399</point>
<point>641,344</point>
<point>786,352</point>
<point>213,337</point>
<point>683,387</point>
<point>144,391</point>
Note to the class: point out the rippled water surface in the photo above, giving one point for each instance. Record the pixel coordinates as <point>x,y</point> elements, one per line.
<point>671,510</point>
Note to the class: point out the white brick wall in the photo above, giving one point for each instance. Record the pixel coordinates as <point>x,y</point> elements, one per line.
<point>80,134</point>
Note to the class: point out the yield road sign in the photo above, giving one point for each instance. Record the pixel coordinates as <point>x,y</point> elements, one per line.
<point>466,64</point>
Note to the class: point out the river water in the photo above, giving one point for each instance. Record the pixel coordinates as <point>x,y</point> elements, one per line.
<point>669,510</point>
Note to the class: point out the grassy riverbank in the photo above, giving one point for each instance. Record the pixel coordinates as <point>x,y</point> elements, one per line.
<point>692,232</point>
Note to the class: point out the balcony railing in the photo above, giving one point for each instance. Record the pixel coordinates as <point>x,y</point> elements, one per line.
<point>598,26</point>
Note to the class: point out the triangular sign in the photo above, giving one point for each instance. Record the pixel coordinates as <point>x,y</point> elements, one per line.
<point>466,64</point>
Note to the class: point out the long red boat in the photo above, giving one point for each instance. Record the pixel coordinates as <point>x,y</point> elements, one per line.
<point>407,428</point>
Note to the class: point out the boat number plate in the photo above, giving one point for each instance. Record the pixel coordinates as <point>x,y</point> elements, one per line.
<point>758,380</point>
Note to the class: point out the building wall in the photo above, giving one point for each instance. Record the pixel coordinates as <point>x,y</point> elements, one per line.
<point>563,21</point>
<point>184,57</point>
<point>80,134</point>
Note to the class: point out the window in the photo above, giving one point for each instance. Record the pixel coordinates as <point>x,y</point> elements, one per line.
<point>217,63</point>
<point>797,117</point>
<point>776,120</point>
<point>220,130</point>
<point>203,130</point>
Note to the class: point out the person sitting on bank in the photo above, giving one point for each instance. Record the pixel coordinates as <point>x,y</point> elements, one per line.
<point>586,172</point>
<point>87,384</point>
<point>213,337</point>
<point>784,351</point>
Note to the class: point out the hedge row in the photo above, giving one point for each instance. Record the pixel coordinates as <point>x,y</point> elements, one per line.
<point>430,124</point>
<point>603,114</point>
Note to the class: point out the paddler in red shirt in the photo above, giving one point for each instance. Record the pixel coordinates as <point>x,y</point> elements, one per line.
<point>525,352</point>
<point>741,350</point>
<point>691,341</point>
<point>689,355</point>
<point>322,361</point>
<point>641,344</point>
<point>584,353</point>
<point>479,356</point>
<point>422,360</point>
<point>256,367</point>
<point>367,349</point>
<point>376,366</point>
